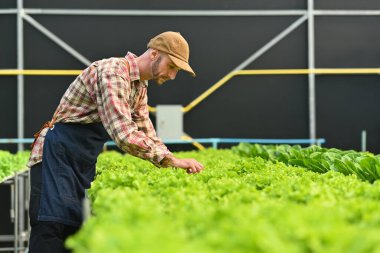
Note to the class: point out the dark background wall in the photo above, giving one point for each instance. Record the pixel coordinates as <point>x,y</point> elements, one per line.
<point>247,106</point>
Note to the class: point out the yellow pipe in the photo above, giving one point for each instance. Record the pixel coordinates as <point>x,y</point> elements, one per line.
<point>222,81</point>
<point>60,72</point>
<point>196,144</point>
<point>307,71</point>
<point>152,109</point>
<point>40,72</point>
<point>217,85</point>
<point>208,92</point>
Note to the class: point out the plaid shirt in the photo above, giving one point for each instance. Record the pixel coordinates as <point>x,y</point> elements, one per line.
<point>108,92</point>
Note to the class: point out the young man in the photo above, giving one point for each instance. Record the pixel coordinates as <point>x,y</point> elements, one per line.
<point>108,100</point>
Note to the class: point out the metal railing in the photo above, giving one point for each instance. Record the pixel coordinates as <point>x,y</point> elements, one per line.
<point>19,188</point>
<point>214,141</point>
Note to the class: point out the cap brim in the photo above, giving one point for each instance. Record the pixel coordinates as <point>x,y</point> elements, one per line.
<point>182,65</point>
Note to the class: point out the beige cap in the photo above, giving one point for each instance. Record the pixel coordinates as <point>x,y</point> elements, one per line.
<point>175,46</point>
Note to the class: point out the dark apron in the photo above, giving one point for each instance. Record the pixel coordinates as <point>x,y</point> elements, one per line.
<point>68,167</point>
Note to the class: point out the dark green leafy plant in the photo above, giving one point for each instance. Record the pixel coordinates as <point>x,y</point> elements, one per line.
<point>364,165</point>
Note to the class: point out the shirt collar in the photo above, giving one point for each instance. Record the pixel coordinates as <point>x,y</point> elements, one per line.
<point>134,71</point>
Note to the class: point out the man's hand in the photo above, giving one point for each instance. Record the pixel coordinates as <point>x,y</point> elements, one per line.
<point>189,164</point>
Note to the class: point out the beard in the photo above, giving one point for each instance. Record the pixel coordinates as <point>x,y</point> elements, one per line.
<point>156,75</point>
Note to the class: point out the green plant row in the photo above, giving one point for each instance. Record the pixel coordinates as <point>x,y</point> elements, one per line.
<point>11,163</point>
<point>236,204</point>
<point>364,165</point>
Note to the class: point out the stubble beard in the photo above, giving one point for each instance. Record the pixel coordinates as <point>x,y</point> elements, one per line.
<point>156,77</point>
<point>155,73</point>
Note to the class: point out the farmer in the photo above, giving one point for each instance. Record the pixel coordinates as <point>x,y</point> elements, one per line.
<point>108,100</point>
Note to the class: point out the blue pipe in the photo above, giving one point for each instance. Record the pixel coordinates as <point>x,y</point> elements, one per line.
<point>213,141</point>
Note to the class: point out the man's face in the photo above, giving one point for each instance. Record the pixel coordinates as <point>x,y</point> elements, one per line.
<point>163,69</point>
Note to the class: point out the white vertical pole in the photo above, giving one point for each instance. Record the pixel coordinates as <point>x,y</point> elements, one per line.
<point>20,78</point>
<point>16,232</point>
<point>21,211</point>
<point>364,140</point>
<point>311,65</point>
<point>86,207</point>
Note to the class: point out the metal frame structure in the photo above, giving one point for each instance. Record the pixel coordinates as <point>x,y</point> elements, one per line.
<point>20,78</point>
<point>19,185</point>
<point>23,14</point>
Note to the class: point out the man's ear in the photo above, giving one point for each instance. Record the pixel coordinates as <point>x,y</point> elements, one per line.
<point>154,54</point>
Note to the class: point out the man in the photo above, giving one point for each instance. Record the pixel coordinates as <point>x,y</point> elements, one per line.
<point>108,100</point>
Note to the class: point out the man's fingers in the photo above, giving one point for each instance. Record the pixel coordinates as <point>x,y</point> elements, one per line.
<point>191,170</point>
<point>199,167</point>
<point>193,166</point>
<point>195,169</point>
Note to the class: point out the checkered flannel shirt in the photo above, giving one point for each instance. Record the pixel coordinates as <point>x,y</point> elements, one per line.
<point>108,92</point>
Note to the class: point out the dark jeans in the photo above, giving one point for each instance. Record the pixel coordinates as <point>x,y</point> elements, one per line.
<point>45,236</point>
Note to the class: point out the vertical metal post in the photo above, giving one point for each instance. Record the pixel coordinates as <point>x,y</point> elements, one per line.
<point>12,211</point>
<point>86,207</point>
<point>16,215</point>
<point>364,140</point>
<point>20,78</point>
<point>27,199</point>
<point>21,211</point>
<point>311,65</point>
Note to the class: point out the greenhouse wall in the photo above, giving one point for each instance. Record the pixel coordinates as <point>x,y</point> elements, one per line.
<point>262,106</point>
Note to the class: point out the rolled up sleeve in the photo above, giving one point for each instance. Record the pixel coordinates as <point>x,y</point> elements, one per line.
<point>136,138</point>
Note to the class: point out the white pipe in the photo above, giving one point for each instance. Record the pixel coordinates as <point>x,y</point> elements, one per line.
<point>347,12</point>
<point>192,12</point>
<point>20,78</point>
<point>8,11</point>
<point>364,140</point>
<point>311,65</point>
<point>111,12</point>
<point>16,232</point>
<point>57,40</point>
<point>271,43</point>
<point>166,12</point>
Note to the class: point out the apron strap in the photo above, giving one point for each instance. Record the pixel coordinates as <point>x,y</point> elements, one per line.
<point>48,124</point>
